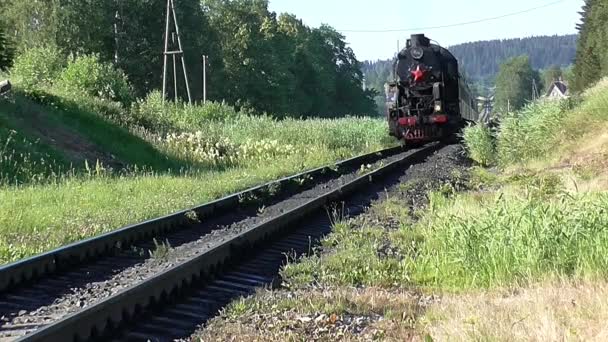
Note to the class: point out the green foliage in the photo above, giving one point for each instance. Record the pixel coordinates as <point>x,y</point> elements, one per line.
<point>531,132</point>
<point>87,74</point>
<point>591,63</point>
<point>514,84</point>
<point>32,23</point>
<point>37,68</point>
<point>163,116</point>
<point>272,65</point>
<point>481,60</point>
<point>23,161</point>
<point>513,240</point>
<point>480,143</point>
<point>282,66</point>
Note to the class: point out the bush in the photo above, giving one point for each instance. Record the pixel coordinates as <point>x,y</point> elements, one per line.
<point>37,68</point>
<point>87,74</point>
<point>153,114</point>
<point>481,144</point>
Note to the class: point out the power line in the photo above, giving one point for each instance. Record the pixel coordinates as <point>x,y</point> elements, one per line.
<point>458,24</point>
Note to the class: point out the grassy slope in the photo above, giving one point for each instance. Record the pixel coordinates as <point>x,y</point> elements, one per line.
<point>63,114</point>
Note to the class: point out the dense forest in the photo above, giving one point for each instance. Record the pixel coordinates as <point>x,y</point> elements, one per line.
<point>481,60</point>
<point>591,61</point>
<point>257,59</point>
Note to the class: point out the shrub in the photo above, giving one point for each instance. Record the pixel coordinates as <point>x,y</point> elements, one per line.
<point>153,114</point>
<point>87,74</point>
<point>481,144</point>
<point>37,68</point>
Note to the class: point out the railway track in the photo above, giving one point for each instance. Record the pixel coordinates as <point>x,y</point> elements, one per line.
<point>161,279</point>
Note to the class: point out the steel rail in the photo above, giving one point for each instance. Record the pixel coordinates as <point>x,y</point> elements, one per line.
<point>121,307</point>
<point>15,274</point>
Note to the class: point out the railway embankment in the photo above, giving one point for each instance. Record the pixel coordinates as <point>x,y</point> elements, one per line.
<point>511,248</point>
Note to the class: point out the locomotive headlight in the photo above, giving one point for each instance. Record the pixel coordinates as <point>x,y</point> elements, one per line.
<point>438,106</point>
<point>417,52</point>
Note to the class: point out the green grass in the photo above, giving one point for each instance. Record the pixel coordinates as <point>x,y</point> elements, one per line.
<point>480,144</point>
<point>355,260</point>
<point>529,233</point>
<point>23,160</point>
<point>35,218</point>
<point>509,239</point>
<point>97,129</point>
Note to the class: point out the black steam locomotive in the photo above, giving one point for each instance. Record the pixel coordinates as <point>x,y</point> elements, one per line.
<point>429,100</point>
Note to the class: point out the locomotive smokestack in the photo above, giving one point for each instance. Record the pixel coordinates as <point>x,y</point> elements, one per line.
<point>418,40</point>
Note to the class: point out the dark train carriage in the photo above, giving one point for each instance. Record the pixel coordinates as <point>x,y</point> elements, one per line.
<point>429,99</point>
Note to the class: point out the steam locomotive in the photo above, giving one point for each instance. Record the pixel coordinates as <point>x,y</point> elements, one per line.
<point>429,99</point>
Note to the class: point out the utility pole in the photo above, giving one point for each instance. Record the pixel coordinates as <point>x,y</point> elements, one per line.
<point>205,78</point>
<point>363,85</point>
<point>116,39</point>
<point>174,53</point>
<point>534,90</point>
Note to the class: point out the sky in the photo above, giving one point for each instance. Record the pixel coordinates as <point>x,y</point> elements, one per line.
<point>559,17</point>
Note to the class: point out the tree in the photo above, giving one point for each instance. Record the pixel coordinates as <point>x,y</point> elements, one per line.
<point>591,63</point>
<point>6,51</point>
<point>276,65</point>
<point>256,68</point>
<point>514,84</point>
<point>31,23</point>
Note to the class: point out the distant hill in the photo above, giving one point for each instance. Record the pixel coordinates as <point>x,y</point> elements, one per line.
<point>480,60</point>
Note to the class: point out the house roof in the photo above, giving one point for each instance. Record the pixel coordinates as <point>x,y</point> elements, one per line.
<point>561,86</point>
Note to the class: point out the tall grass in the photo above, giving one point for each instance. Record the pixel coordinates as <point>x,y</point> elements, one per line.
<point>24,161</point>
<point>532,132</point>
<point>510,239</point>
<point>481,144</point>
<point>516,236</point>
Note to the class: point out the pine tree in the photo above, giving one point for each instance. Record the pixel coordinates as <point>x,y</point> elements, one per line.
<point>591,61</point>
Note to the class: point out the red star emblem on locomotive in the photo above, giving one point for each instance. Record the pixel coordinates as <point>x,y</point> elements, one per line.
<point>418,73</point>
